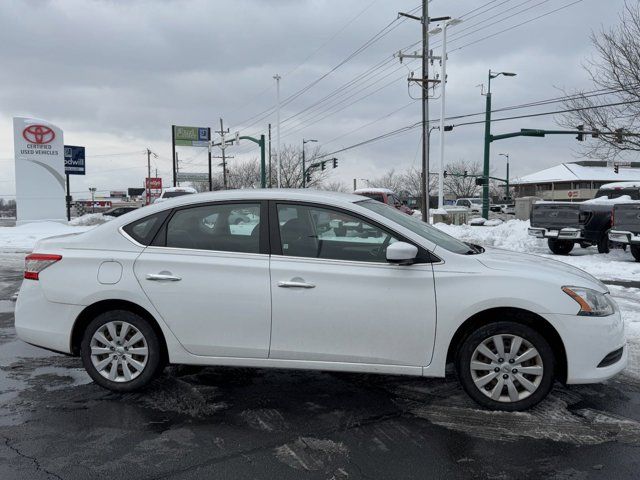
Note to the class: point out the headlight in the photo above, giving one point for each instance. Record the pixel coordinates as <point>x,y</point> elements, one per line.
<point>592,303</point>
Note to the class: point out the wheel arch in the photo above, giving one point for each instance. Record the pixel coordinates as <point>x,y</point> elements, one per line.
<point>518,315</point>
<point>92,311</point>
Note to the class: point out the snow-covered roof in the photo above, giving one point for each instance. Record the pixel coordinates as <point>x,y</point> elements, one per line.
<point>372,190</point>
<point>573,172</point>
<point>181,189</point>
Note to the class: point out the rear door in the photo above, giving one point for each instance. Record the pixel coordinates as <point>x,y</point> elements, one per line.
<point>336,299</point>
<point>207,273</point>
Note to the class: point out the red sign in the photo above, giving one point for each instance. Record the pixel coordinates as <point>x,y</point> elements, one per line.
<point>154,188</point>
<point>39,134</point>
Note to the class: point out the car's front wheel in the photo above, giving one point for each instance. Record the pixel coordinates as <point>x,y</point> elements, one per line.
<point>506,366</point>
<point>121,351</point>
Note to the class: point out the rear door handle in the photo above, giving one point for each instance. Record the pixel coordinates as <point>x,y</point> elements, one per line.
<point>293,284</point>
<point>162,277</point>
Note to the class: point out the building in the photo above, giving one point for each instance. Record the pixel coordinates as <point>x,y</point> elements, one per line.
<point>574,180</point>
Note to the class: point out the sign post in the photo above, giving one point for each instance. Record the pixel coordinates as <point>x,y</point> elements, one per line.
<point>39,160</point>
<point>74,164</point>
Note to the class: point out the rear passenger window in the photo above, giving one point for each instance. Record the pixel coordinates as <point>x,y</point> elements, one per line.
<point>143,230</point>
<point>224,227</point>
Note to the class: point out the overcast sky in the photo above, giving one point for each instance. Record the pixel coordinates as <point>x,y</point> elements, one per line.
<point>115,75</point>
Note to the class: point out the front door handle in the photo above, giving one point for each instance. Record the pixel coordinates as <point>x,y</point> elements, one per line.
<point>163,277</point>
<point>295,284</point>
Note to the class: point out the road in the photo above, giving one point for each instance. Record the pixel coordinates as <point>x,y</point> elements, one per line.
<point>196,423</point>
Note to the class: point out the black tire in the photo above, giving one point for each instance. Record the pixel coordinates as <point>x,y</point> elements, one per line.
<point>560,247</point>
<point>154,362</point>
<point>603,243</point>
<point>635,251</point>
<point>528,334</point>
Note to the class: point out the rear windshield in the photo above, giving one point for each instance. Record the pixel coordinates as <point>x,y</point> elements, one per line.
<point>612,193</point>
<point>175,194</point>
<point>419,227</point>
<point>375,196</point>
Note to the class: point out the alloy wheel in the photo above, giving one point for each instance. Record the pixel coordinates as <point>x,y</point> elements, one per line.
<point>119,351</point>
<point>506,368</point>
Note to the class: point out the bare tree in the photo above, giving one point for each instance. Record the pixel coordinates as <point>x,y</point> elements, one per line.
<point>333,186</point>
<point>291,167</point>
<point>459,185</point>
<point>614,104</point>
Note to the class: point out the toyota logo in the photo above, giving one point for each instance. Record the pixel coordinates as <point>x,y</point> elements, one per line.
<point>38,134</point>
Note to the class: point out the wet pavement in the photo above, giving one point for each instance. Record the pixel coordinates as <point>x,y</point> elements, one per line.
<point>238,423</point>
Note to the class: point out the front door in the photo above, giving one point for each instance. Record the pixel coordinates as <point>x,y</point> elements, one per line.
<point>208,277</point>
<point>336,299</point>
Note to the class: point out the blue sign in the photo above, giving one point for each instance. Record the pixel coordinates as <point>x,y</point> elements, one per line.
<point>74,160</point>
<point>203,134</point>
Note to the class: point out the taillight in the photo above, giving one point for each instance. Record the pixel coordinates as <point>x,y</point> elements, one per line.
<point>34,263</point>
<point>613,217</point>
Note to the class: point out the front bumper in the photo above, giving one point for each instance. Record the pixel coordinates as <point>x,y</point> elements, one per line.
<point>622,236</point>
<point>588,341</point>
<point>43,323</point>
<point>561,234</point>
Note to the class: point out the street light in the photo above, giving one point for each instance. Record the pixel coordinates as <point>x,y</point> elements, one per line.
<point>304,168</point>
<point>506,155</point>
<point>487,142</point>
<point>448,23</point>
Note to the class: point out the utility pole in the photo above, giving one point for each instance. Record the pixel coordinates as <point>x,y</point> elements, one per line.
<point>506,184</point>
<point>355,184</point>
<point>270,184</point>
<point>278,151</point>
<point>93,199</point>
<point>424,82</point>
<point>175,178</point>
<point>304,167</point>
<point>209,159</point>
<point>149,153</point>
<point>223,146</point>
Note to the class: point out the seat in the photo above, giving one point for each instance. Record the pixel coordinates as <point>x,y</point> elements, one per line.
<point>297,240</point>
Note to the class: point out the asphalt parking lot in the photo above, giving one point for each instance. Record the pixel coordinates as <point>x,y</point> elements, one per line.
<point>243,423</point>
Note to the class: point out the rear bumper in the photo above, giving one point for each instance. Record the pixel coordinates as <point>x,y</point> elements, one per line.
<point>41,322</point>
<point>592,346</point>
<point>560,234</point>
<point>623,236</point>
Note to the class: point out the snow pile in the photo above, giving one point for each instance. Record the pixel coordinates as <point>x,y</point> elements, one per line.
<point>24,237</point>
<point>510,235</point>
<point>90,219</point>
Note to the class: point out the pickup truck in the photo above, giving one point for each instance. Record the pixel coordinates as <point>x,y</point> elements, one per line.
<point>565,224</point>
<point>625,227</point>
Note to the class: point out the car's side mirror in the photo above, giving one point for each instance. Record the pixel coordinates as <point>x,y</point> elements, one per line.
<point>402,253</point>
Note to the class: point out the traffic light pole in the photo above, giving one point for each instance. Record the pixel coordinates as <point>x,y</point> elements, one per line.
<point>487,153</point>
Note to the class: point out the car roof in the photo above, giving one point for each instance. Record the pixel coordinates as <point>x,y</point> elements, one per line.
<point>621,185</point>
<point>373,190</point>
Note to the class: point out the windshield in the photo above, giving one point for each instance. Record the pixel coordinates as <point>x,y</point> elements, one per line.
<point>174,194</point>
<point>418,227</point>
<point>476,201</point>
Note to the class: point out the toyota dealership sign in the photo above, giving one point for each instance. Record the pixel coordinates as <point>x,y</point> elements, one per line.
<point>40,175</point>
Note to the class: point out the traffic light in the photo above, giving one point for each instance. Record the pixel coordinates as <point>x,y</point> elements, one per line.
<point>466,173</point>
<point>595,133</point>
<point>619,138</point>
<point>480,181</point>
<point>335,163</point>
<point>616,168</point>
<point>444,174</point>
<point>323,166</point>
<point>580,136</point>
<point>308,177</point>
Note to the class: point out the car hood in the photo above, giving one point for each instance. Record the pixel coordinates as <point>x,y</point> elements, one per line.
<point>529,264</point>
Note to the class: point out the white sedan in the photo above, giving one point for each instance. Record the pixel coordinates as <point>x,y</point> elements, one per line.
<point>314,280</point>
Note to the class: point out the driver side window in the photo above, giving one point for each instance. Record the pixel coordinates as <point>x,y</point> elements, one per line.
<point>330,234</point>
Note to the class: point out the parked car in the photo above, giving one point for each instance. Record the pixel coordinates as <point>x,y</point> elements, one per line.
<point>323,281</point>
<point>625,227</point>
<point>385,195</point>
<point>173,192</point>
<point>587,223</point>
<point>117,211</point>
<point>473,204</point>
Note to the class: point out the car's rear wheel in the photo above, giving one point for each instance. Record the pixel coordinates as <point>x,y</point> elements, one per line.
<point>603,244</point>
<point>635,251</point>
<point>121,351</point>
<point>560,247</point>
<point>506,366</point>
